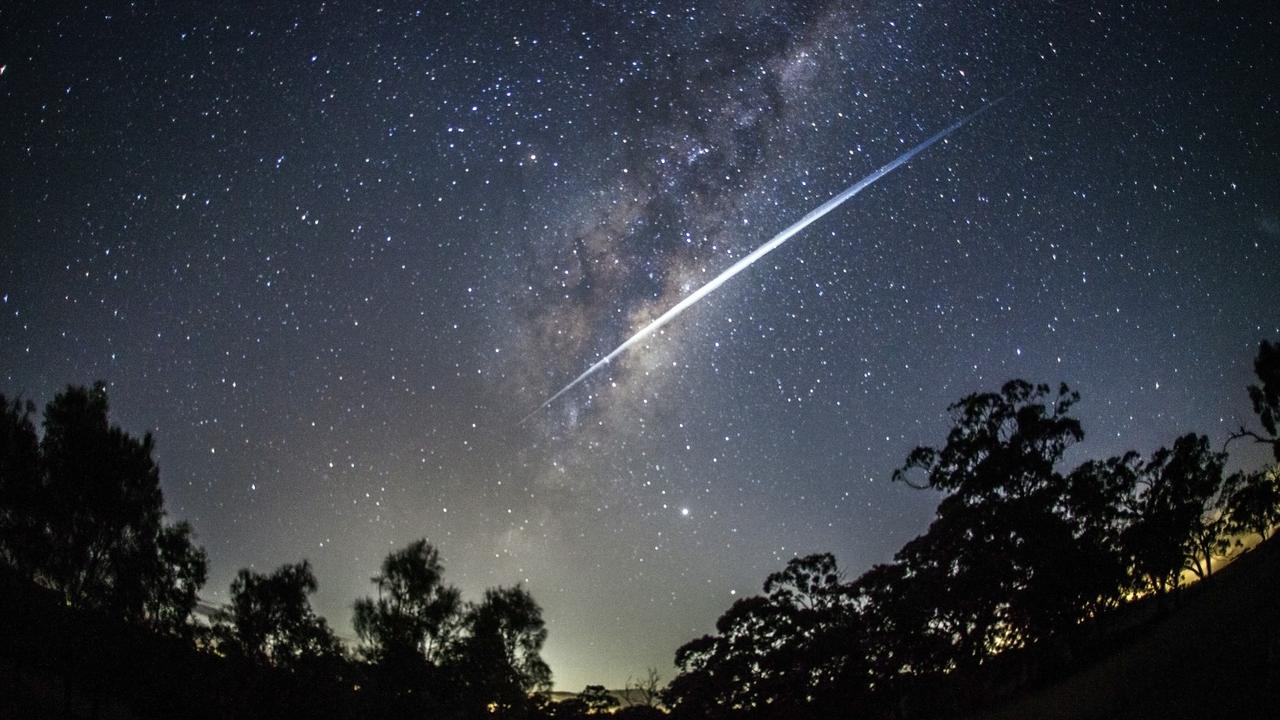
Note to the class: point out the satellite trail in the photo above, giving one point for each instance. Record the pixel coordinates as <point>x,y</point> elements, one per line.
<point>765,249</point>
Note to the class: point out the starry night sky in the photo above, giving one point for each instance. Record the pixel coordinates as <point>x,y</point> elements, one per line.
<point>330,254</point>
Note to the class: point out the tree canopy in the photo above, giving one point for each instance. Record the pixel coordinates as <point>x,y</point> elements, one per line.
<point>1020,552</point>
<point>415,612</point>
<point>1265,396</point>
<point>83,513</point>
<point>795,650</point>
<point>498,660</point>
<point>429,650</point>
<point>270,620</point>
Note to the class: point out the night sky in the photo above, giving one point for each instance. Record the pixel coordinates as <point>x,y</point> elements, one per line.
<point>331,254</point>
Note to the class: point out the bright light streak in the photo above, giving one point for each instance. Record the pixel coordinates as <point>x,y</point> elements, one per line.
<point>765,249</point>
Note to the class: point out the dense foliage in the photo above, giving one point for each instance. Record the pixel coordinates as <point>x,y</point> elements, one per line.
<point>1021,552</point>
<point>81,512</point>
<point>82,516</point>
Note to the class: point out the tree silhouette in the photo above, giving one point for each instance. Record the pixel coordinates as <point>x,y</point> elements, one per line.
<point>597,700</point>
<point>1018,554</point>
<point>1254,502</point>
<point>182,571</point>
<point>1097,503</point>
<point>498,663</point>
<point>1253,505</point>
<point>1004,443</point>
<point>1179,521</point>
<point>593,700</point>
<point>270,620</point>
<point>1265,398</point>
<point>574,708</point>
<point>415,611</point>
<point>999,558</point>
<point>409,627</point>
<point>793,651</point>
<point>646,691</point>
<point>82,513</point>
<point>106,488</point>
<point>905,634</point>
<point>23,538</point>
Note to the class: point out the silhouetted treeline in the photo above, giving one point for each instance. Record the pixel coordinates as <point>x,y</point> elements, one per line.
<point>81,513</point>
<point>1019,571</point>
<point>99,594</point>
<point>1018,576</point>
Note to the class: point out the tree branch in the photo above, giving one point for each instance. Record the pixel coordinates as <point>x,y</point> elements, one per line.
<point>1244,433</point>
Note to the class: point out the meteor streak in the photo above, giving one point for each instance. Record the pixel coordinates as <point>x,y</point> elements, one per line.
<point>765,249</point>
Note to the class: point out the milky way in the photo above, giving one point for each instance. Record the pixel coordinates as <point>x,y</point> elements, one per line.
<point>330,254</point>
<point>809,218</point>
